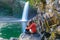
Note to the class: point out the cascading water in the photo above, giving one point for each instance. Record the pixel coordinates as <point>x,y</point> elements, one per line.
<point>24,16</point>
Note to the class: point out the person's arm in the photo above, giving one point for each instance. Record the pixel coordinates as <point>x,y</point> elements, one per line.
<point>30,26</point>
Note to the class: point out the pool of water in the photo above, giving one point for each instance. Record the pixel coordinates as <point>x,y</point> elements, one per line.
<point>10,11</point>
<point>11,29</point>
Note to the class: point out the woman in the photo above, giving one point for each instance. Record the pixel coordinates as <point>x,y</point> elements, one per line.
<point>31,28</point>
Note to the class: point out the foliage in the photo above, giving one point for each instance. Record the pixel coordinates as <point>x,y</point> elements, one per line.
<point>36,2</point>
<point>33,2</point>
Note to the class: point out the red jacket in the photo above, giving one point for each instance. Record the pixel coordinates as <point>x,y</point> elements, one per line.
<point>32,27</point>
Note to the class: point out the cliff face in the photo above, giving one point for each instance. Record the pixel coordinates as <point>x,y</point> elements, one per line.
<point>9,2</point>
<point>10,8</point>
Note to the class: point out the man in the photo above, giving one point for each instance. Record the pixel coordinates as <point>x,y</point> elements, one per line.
<point>31,28</point>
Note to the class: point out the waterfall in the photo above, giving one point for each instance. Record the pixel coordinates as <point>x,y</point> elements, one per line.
<point>25,11</point>
<point>25,15</point>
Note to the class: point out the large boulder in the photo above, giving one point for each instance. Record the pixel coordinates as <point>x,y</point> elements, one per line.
<point>24,36</point>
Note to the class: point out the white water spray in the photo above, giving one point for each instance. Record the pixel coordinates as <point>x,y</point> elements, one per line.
<point>24,16</point>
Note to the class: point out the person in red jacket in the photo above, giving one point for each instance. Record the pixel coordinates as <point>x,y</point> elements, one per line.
<point>31,28</point>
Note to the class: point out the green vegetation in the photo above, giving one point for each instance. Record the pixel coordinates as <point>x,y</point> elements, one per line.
<point>36,3</point>
<point>33,2</point>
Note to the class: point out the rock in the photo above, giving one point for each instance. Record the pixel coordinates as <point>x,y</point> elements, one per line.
<point>24,36</point>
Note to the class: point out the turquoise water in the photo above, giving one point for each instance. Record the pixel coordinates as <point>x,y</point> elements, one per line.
<point>10,10</point>
<point>8,30</point>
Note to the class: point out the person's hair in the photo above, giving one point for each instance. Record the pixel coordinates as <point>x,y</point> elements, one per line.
<point>31,22</point>
<point>27,25</point>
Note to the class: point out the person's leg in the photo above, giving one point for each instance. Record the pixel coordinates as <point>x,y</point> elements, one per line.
<point>36,34</point>
<point>27,31</point>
